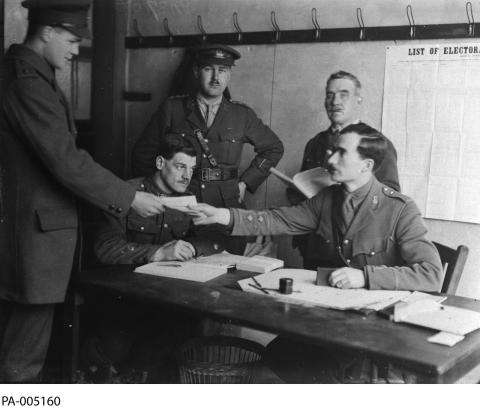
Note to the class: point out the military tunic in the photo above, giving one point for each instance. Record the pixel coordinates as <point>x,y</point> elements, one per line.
<point>386,239</point>
<point>235,124</point>
<point>315,155</point>
<point>43,172</point>
<point>134,239</point>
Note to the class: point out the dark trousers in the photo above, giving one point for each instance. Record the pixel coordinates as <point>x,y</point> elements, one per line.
<point>25,332</point>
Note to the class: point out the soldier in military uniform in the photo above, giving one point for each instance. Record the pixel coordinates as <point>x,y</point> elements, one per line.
<point>43,173</point>
<point>218,128</point>
<point>343,102</point>
<point>372,235</point>
<point>166,236</point>
<point>123,333</point>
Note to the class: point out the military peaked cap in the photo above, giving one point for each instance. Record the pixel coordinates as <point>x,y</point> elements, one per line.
<point>216,54</point>
<point>68,14</point>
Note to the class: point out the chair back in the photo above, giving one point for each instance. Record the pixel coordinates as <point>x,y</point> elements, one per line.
<point>453,261</point>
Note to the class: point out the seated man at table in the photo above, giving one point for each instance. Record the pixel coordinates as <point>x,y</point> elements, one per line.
<point>372,235</point>
<point>124,334</point>
<point>167,236</point>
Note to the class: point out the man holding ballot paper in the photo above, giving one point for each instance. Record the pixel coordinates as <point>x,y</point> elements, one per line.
<point>372,234</point>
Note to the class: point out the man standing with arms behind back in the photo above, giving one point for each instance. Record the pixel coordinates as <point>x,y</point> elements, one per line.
<point>343,103</point>
<point>218,128</point>
<point>43,173</point>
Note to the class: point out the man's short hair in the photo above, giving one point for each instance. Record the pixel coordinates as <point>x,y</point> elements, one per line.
<point>345,75</point>
<point>372,144</point>
<point>173,143</point>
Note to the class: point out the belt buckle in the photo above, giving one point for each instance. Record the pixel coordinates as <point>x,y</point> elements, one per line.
<point>205,174</point>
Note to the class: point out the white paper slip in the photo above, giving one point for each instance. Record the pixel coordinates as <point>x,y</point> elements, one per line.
<point>179,203</point>
<point>305,291</point>
<point>182,270</point>
<point>446,339</point>
<point>416,296</point>
<point>428,313</point>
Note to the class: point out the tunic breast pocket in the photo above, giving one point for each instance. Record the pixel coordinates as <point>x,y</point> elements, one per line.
<point>373,251</point>
<point>230,146</point>
<point>142,230</point>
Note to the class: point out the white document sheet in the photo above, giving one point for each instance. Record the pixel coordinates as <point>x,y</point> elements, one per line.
<point>179,203</point>
<point>305,291</point>
<point>255,263</point>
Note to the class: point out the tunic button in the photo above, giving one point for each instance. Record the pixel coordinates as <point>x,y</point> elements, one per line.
<point>372,253</point>
<point>348,261</point>
<point>142,186</point>
<point>204,155</point>
<point>119,210</point>
<point>203,186</point>
<point>215,247</point>
<point>249,218</point>
<point>345,241</point>
<point>327,241</point>
<point>260,219</point>
<point>165,225</point>
<point>142,228</point>
<point>111,207</point>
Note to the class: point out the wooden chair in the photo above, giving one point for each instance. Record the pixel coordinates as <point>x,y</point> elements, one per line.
<point>453,261</point>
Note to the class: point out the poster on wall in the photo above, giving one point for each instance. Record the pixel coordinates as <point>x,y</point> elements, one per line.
<point>431,113</point>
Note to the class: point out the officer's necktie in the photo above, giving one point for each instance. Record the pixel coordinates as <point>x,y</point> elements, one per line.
<point>348,211</point>
<point>209,115</point>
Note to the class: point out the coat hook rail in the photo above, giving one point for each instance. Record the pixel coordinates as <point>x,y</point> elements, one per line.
<point>276,29</point>
<point>411,22</point>
<point>471,19</point>
<point>237,26</point>
<point>316,27</point>
<point>200,27</point>
<point>361,24</point>
<point>167,29</point>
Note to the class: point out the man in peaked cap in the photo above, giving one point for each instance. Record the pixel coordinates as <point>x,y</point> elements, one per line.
<point>218,128</point>
<point>43,172</point>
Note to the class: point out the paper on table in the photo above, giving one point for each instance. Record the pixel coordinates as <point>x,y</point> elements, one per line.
<point>179,203</point>
<point>182,270</point>
<point>255,263</point>
<point>326,296</point>
<point>446,339</point>
<point>430,314</point>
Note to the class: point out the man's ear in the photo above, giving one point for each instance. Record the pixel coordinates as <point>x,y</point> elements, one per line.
<point>368,165</point>
<point>46,33</point>
<point>195,70</point>
<point>159,162</point>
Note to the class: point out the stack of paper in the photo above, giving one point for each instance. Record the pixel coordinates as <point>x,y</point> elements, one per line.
<point>183,270</point>
<point>255,263</point>
<point>305,291</point>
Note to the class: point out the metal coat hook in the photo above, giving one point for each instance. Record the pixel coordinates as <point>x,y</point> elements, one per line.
<point>471,20</point>
<point>167,29</point>
<point>361,24</point>
<point>200,27</point>
<point>275,26</point>
<point>411,21</point>
<point>137,31</point>
<point>316,26</point>
<point>237,27</point>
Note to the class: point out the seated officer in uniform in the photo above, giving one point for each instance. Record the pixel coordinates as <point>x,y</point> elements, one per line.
<point>218,128</point>
<point>372,235</point>
<point>343,104</point>
<point>167,236</point>
<point>124,334</point>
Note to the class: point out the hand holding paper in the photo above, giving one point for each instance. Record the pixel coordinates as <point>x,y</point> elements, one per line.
<point>204,214</point>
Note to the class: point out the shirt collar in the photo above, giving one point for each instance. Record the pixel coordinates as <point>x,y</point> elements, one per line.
<point>203,101</point>
<point>360,193</point>
<point>338,128</point>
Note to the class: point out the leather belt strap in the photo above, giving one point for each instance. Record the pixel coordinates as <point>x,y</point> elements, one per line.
<point>217,174</point>
<point>203,143</point>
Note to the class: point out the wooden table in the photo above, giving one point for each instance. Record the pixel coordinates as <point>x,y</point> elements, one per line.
<point>401,344</point>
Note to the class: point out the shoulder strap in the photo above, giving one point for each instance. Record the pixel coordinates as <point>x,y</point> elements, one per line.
<point>203,143</point>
